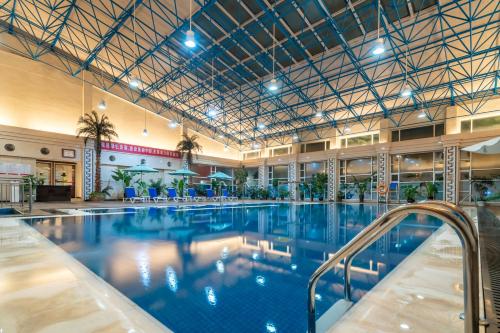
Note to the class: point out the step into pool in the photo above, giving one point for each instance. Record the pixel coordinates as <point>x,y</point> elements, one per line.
<point>235,268</point>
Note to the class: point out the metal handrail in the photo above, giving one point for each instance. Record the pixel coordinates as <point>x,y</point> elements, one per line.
<point>450,214</point>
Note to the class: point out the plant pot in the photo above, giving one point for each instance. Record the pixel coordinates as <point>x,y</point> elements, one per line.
<point>430,198</point>
<point>320,199</point>
<point>361,198</point>
<point>410,200</point>
<point>283,198</point>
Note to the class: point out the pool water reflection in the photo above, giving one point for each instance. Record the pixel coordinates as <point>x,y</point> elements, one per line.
<point>241,268</point>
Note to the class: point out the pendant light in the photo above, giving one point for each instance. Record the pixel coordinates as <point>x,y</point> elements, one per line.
<point>212,107</point>
<point>134,82</point>
<point>273,85</point>
<point>406,91</point>
<point>379,47</point>
<point>190,41</point>
<point>102,105</point>
<point>145,130</point>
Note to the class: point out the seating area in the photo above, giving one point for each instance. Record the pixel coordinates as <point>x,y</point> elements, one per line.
<point>190,195</point>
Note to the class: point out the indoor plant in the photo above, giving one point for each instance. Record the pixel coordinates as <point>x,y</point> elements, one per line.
<point>410,193</point>
<point>361,187</point>
<point>431,190</point>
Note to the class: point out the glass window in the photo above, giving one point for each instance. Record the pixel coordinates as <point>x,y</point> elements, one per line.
<point>489,123</point>
<point>395,136</point>
<point>416,133</point>
<point>465,126</point>
<point>312,147</point>
<point>280,151</point>
<point>416,162</point>
<point>250,155</point>
<point>314,168</point>
<point>359,141</point>
<point>376,138</point>
<point>280,171</point>
<point>439,129</point>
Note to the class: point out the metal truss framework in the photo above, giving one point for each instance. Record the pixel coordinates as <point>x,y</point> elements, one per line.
<point>323,59</point>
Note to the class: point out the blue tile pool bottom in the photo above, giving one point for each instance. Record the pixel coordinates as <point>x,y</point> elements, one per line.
<point>7,211</point>
<point>239,268</point>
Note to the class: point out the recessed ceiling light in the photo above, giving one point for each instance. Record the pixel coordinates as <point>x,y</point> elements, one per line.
<point>404,326</point>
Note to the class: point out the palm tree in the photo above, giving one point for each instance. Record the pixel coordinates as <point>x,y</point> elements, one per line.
<point>93,127</point>
<point>187,146</point>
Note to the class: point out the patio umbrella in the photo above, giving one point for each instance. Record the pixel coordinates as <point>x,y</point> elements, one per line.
<point>141,168</point>
<point>486,147</point>
<point>220,175</point>
<point>183,172</point>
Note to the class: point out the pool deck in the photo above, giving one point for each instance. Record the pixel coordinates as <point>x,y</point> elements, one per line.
<point>43,289</point>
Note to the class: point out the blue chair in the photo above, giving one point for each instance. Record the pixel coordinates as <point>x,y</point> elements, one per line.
<point>192,195</point>
<point>129,194</point>
<point>153,194</point>
<point>172,194</point>
<point>211,195</point>
<point>226,196</point>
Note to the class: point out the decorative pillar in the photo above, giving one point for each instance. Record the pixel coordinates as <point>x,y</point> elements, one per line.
<point>263,176</point>
<point>332,178</point>
<point>450,173</point>
<point>88,172</point>
<point>292,179</point>
<point>383,171</point>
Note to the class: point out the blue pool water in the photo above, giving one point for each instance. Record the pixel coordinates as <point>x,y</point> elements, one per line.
<point>240,268</point>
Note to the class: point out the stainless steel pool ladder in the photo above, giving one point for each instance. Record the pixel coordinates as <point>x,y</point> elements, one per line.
<point>450,214</point>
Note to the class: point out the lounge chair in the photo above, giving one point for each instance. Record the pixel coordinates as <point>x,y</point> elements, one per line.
<point>226,196</point>
<point>172,194</point>
<point>192,195</point>
<point>153,194</point>
<point>211,195</point>
<point>130,195</point>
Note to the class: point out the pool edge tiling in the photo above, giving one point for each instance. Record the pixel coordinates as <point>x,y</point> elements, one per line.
<point>44,289</point>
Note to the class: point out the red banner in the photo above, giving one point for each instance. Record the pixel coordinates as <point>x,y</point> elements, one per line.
<point>133,149</point>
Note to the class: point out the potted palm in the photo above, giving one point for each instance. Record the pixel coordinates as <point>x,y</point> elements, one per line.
<point>283,192</point>
<point>240,178</point>
<point>431,190</point>
<point>98,129</point>
<point>361,187</point>
<point>410,193</point>
<point>125,178</point>
<point>187,147</point>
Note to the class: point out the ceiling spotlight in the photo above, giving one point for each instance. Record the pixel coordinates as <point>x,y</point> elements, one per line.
<point>406,91</point>
<point>173,124</point>
<point>319,114</point>
<point>134,82</point>
<point>226,148</point>
<point>190,41</point>
<point>273,85</point>
<point>145,132</point>
<point>422,115</point>
<point>255,145</point>
<point>347,129</point>
<point>102,105</point>
<point>212,111</point>
<point>261,126</point>
<point>221,136</point>
<point>379,47</point>
<point>295,137</point>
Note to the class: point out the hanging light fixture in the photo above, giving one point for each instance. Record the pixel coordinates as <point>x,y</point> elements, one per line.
<point>406,91</point>
<point>173,124</point>
<point>226,148</point>
<point>261,126</point>
<point>273,85</point>
<point>134,82</point>
<point>379,46</point>
<point>145,130</point>
<point>347,129</point>
<point>190,41</point>
<point>319,113</point>
<point>102,105</point>
<point>212,108</point>
<point>295,137</point>
<point>422,115</point>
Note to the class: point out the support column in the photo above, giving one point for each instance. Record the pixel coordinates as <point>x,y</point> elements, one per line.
<point>451,158</point>
<point>383,172</point>
<point>263,175</point>
<point>332,178</point>
<point>88,171</point>
<point>292,178</point>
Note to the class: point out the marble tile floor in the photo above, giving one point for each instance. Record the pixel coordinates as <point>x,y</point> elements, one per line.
<point>43,289</point>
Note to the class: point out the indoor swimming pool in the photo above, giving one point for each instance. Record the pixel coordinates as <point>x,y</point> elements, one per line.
<point>231,268</point>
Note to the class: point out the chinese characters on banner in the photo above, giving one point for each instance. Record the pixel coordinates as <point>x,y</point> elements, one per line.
<point>133,149</point>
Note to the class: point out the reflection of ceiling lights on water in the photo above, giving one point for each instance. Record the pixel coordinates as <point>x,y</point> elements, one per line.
<point>293,267</point>
<point>224,253</point>
<point>144,269</point>
<point>261,281</point>
<point>172,279</point>
<point>220,266</point>
<point>210,294</point>
<point>255,256</point>
<point>318,297</point>
<point>270,327</point>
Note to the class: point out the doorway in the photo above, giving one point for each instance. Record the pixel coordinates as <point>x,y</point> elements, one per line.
<point>57,173</point>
